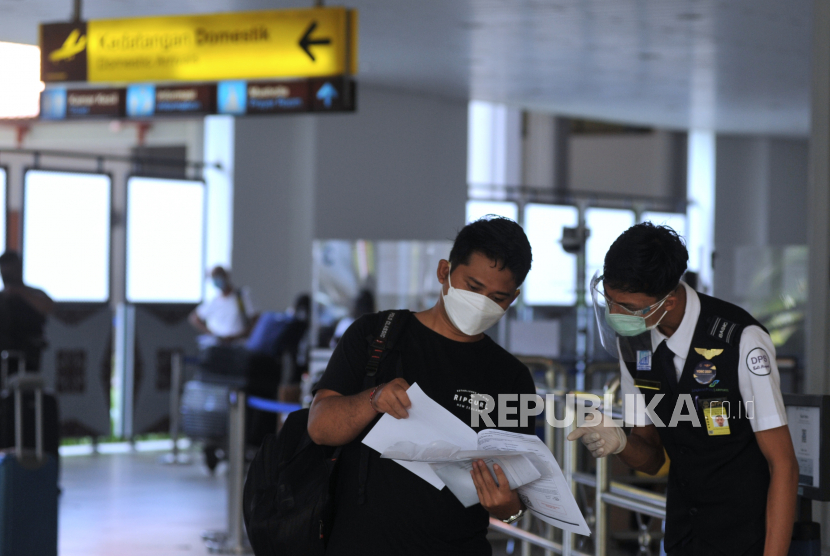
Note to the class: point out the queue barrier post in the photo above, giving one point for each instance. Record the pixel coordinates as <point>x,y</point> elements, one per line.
<point>235,540</point>
<point>176,380</point>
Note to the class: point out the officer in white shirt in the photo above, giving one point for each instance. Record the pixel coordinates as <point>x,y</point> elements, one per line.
<point>687,359</point>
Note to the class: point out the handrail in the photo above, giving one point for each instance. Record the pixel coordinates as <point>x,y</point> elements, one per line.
<point>530,538</point>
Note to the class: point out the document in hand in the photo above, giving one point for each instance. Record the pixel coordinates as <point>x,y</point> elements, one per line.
<point>440,448</point>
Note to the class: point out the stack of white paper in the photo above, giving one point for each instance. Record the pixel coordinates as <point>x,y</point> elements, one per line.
<point>440,448</point>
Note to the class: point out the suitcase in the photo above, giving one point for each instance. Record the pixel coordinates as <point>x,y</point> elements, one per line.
<point>28,485</point>
<point>51,421</point>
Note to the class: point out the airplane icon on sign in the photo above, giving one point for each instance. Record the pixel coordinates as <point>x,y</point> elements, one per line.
<point>74,44</point>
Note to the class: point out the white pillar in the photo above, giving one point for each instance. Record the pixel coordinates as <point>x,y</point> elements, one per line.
<point>701,210</point>
<point>818,232</point>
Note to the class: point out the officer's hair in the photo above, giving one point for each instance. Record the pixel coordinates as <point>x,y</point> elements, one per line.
<point>646,259</point>
<point>499,239</point>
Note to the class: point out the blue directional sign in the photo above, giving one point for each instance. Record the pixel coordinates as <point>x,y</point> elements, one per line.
<point>332,94</point>
<point>53,104</point>
<point>327,94</point>
<point>141,101</point>
<point>232,97</point>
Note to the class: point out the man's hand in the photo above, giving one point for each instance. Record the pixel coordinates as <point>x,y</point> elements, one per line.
<point>391,398</point>
<point>603,438</point>
<point>499,500</point>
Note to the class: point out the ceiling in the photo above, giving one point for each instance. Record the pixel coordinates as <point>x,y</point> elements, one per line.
<point>735,66</point>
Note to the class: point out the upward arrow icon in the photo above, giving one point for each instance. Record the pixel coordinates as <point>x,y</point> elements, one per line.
<point>327,94</point>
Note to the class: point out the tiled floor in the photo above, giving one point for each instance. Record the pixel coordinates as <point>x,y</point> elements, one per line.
<point>130,504</point>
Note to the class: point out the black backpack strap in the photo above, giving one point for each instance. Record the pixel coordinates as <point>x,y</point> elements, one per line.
<point>392,324</point>
<point>381,346</point>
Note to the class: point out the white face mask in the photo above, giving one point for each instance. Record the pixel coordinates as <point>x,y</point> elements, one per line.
<point>470,312</point>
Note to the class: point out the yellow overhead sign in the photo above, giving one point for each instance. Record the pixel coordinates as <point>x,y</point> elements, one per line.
<point>312,42</point>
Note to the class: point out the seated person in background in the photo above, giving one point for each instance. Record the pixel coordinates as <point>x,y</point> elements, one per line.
<point>364,304</point>
<point>229,317</point>
<point>24,310</point>
<point>294,350</point>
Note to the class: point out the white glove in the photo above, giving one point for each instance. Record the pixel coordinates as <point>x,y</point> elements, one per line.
<point>606,437</point>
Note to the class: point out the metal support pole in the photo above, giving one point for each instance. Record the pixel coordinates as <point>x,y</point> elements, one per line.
<point>582,316</point>
<point>602,467</point>
<point>601,527</point>
<point>236,470</point>
<point>569,459</point>
<point>550,442</point>
<point>235,541</point>
<point>175,392</point>
<point>176,373</point>
<point>524,525</point>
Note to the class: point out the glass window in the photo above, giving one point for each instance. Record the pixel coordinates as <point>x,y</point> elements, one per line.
<point>606,225</point>
<point>673,220</point>
<point>478,209</point>
<point>552,278</point>
<point>66,234</point>
<point>20,84</point>
<point>165,240</point>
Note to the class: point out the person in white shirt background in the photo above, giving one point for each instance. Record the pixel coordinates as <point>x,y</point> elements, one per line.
<point>229,317</point>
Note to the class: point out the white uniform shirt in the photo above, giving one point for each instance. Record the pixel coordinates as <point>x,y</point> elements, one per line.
<point>222,314</point>
<point>758,383</point>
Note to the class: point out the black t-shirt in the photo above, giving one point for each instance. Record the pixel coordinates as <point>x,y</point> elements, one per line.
<point>403,514</point>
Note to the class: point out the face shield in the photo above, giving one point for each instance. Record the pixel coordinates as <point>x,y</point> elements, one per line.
<point>619,346</point>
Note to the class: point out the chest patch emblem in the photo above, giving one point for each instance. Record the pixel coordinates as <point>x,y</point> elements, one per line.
<point>708,354</point>
<point>643,360</point>
<point>705,372</point>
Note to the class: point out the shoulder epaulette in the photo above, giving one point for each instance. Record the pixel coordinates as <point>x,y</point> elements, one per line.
<point>724,330</point>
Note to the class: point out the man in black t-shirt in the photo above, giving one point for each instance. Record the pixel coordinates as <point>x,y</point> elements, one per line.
<point>446,352</point>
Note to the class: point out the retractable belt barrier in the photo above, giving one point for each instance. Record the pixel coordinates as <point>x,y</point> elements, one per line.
<point>271,406</point>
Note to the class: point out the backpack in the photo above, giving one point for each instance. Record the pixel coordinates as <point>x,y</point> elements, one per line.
<point>289,491</point>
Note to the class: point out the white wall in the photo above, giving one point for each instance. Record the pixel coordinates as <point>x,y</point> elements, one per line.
<point>273,207</point>
<point>395,169</point>
<point>625,163</point>
<point>761,200</point>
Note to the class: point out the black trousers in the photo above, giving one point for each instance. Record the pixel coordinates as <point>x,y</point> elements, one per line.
<point>697,546</point>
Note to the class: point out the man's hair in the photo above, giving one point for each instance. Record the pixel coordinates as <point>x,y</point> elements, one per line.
<point>499,239</point>
<point>646,259</point>
<point>10,257</point>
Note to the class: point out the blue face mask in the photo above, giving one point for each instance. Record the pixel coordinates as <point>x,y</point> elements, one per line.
<point>220,283</point>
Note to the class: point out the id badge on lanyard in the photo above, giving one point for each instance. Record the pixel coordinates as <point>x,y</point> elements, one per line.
<point>715,415</point>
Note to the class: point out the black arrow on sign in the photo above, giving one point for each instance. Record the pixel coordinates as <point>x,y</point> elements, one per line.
<point>307,41</point>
